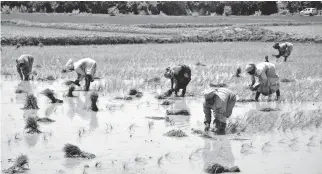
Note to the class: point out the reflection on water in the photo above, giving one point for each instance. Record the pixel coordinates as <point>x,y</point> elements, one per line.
<point>218,151</point>
<point>31,139</point>
<point>179,120</point>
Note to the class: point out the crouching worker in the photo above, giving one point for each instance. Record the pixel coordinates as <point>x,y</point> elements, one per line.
<point>180,76</point>
<point>284,49</point>
<point>85,69</point>
<point>24,66</point>
<point>267,77</point>
<point>221,102</point>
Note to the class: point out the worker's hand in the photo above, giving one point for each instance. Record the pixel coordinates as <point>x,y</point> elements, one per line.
<point>207,127</point>
<point>76,82</point>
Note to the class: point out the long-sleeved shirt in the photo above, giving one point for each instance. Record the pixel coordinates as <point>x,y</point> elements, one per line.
<point>224,101</point>
<point>83,67</point>
<point>28,61</point>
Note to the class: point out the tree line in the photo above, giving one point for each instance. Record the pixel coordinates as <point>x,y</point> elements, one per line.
<point>165,7</point>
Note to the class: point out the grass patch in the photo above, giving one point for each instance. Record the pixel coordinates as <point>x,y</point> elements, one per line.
<point>269,109</point>
<point>72,151</point>
<point>176,133</point>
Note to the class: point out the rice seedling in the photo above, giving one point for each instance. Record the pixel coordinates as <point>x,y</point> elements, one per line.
<point>125,166</point>
<point>139,159</point>
<point>214,168</point>
<point>194,152</point>
<point>72,151</point>
<point>266,145</point>
<point>219,85</point>
<point>19,166</point>
<point>98,164</point>
<point>45,120</point>
<point>19,91</point>
<point>155,118</point>
<point>131,127</point>
<point>31,102</point>
<point>93,98</point>
<point>178,112</point>
<point>71,89</point>
<point>197,131</point>
<point>166,102</point>
<point>160,159</point>
<point>269,109</point>
<point>123,98</point>
<point>176,133</point>
<point>150,124</point>
<point>109,127</point>
<point>9,141</point>
<point>167,155</point>
<point>200,64</point>
<point>32,125</point>
<point>51,96</point>
<point>17,136</point>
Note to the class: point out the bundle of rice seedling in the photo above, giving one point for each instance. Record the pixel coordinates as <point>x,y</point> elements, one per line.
<point>72,151</point>
<point>238,72</point>
<point>50,95</point>
<point>19,165</point>
<point>50,77</point>
<point>156,118</point>
<point>176,133</point>
<point>94,98</point>
<point>70,82</point>
<point>166,102</point>
<point>269,109</point>
<point>139,95</point>
<point>70,91</point>
<point>219,85</point>
<point>135,92</point>
<point>31,102</point>
<point>45,120</point>
<point>32,126</point>
<point>178,112</point>
<point>217,168</point>
<point>123,98</point>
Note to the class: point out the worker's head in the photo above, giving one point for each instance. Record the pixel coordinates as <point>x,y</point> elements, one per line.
<point>69,66</point>
<point>168,73</point>
<point>250,69</point>
<point>209,95</point>
<point>276,46</point>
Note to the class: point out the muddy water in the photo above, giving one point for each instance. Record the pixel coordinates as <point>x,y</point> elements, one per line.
<point>116,149</point>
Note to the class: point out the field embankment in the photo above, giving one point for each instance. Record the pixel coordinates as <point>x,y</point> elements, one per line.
<point>135,34</point>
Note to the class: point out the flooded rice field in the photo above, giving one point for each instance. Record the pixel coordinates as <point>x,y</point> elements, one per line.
<point>124,140</point>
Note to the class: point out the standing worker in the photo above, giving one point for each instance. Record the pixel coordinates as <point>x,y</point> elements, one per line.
<point>267,77</point>
<point>85,69</point>
<point>221,101</point>
<point>24,66</point>
<point>180,76</point>
<point>284,49</point>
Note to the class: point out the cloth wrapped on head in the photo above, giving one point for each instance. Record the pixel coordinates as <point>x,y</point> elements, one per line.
<point>249,67</point>
<point>169,73</point>
<point>276,45</point>
<point>209,93</point>
<point>69,65</point>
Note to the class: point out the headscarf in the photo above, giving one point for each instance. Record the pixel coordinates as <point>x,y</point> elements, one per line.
<point>249,67</point>
<point>69,65</point>
<point>209,93</point>
<point>276,45</point>
<point>169,73</point>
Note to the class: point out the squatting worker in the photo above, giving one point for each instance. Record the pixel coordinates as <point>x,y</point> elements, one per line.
<point>284,49</point>
<point>24,66</point>
<point>85,69</point>
<point>179,75</point>
<point>267,77</point>
<point>221,102</point>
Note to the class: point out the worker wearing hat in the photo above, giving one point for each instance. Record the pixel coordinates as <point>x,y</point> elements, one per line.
<point>24,66</point>
<point>85,69</point>
<point>284,49</point>
<point>221,102</point>
<point>267,77</point>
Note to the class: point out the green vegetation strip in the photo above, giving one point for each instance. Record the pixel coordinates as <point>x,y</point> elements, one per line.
<point>222,34</point>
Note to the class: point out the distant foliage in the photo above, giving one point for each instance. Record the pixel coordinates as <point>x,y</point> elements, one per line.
<point>196,8</point>
<point>227,10</point>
